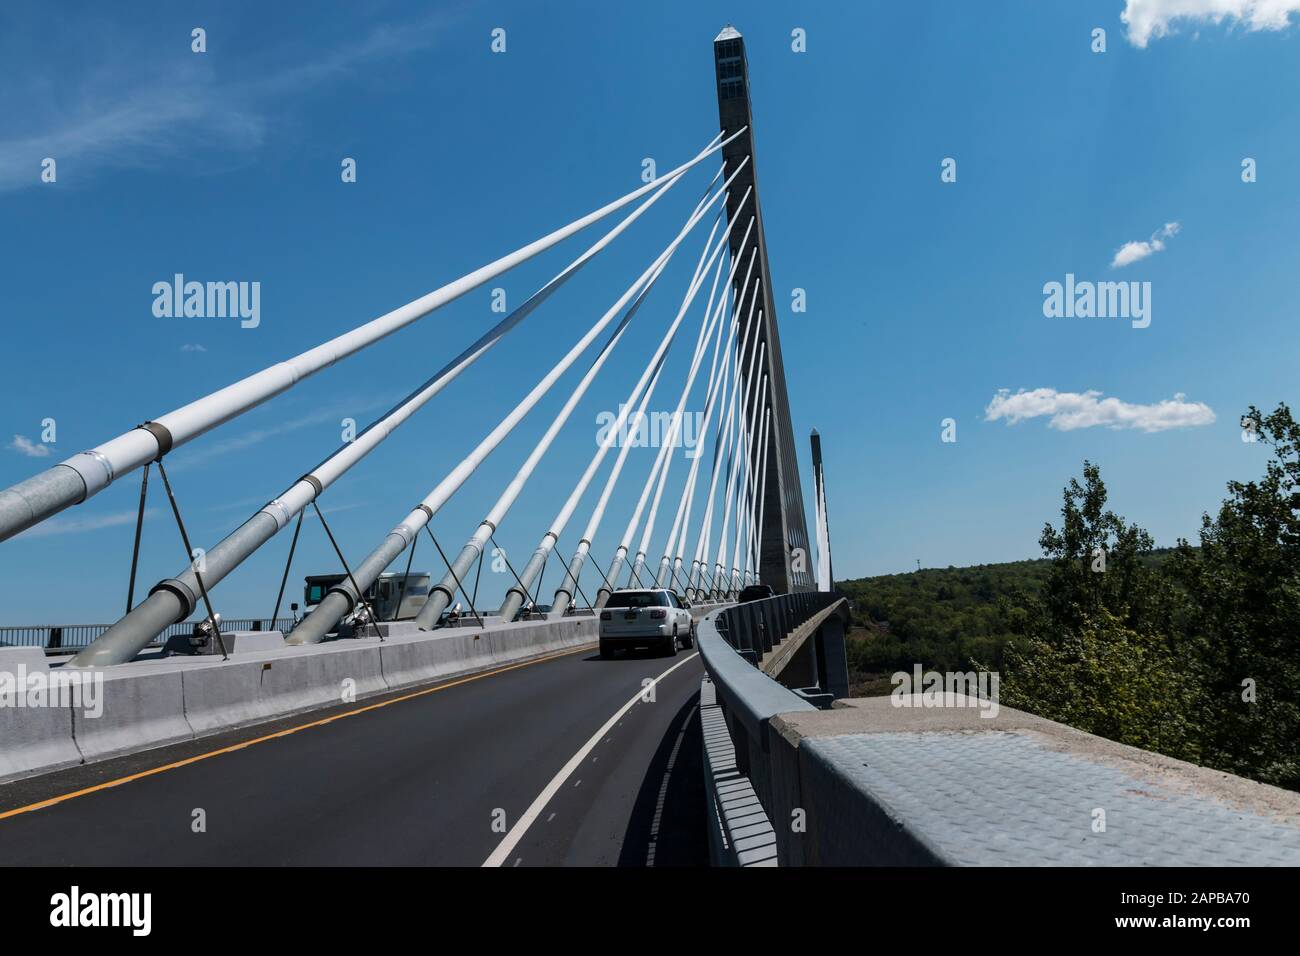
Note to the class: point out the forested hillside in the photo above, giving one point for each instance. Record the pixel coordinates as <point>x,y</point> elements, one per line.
<point>1190,651</point>
<point>943,618</point>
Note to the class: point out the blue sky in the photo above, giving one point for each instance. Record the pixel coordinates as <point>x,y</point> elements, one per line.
<point>925,298</point>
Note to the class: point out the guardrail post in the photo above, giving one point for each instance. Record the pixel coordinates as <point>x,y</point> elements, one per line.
<point>757,631</point>
<point>833,670</point>
<point>729,627</point>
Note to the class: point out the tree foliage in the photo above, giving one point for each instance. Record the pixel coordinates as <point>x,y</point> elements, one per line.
<point>1193,652</point>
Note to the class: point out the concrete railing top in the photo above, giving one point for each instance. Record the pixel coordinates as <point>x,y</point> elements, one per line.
<point>901,779</point>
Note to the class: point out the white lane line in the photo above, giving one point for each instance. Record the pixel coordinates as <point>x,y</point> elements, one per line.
<point>511,839</point>
<point>663,788</point>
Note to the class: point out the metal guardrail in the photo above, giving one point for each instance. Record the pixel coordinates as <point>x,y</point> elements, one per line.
<point>734,639</point>
<point>728,645</point>
<point>54,637</point>
<point>732,642</point>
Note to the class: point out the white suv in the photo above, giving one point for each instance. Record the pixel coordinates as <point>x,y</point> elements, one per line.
<point>657,619</point>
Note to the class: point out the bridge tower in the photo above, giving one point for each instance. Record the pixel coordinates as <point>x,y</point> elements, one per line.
<point>825,573</point>
<point>785,560</point>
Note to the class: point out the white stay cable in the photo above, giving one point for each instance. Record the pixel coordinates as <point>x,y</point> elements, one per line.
<point>751,554</point>
<point>518,592</point>
<point>339,600</point>
<point>742,486</point>
<point>564,594</point>
<point>86,474</point>
<point>737,452</point>
<point>664,459</point>
<point>612,576</point>
<point>677,536</point>
<point>730,383</point>
<point>762,495</point>
<point>175,599</point>
<point>722,446</point>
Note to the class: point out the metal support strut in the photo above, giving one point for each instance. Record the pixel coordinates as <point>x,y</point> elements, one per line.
<point>370,608</point>
<point>189,551</point>
<point>459,586</point>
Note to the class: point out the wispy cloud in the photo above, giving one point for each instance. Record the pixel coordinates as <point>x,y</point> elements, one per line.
<point>1152,19</point>
<point>1071,410</point>
<point>189,457</point>
<point>68,525</point>
<point>25,446</point>
<point>193,348</point>
<point>118,104</point>
<point>1132,252</point>
<point>336,508</point>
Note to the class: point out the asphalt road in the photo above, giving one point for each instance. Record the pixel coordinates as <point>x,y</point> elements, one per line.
<point>447,777</point>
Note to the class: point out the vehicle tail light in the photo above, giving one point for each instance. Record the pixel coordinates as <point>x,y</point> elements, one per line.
<point>606,616</point>
<point>659,614</point>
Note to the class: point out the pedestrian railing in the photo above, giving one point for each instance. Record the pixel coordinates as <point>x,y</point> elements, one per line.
<point>57,636</point>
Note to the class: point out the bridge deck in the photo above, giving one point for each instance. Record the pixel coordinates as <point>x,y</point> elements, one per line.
<point>412,782</point>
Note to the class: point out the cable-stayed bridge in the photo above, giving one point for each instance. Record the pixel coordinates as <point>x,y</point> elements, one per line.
<point>330,740</point>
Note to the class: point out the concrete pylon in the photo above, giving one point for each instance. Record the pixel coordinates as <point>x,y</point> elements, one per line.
<point>784,554</point>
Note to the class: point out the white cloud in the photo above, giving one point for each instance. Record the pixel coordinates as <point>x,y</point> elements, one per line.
<point>25,446</point>
<point>120,106</point>
<point>194,348</point>
<point>1071,410</point>
<point>65,525</point>
<point>1132,252</point>
<point>1152,19</point>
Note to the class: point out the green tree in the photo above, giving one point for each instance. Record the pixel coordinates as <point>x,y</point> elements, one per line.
<point>1096,560</point>
<point>1243,627</point>
<point>1104,677</point>
<point>1094,651</point>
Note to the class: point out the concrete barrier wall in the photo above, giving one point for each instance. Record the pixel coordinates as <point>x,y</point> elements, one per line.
<point>30,738</point>
<point>956,781</point>
<point>152,703</point>
<point>141,709</point>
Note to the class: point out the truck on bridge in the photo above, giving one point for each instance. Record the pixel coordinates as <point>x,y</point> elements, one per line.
<point>393,596</point>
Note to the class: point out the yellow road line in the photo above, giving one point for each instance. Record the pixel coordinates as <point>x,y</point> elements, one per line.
<point>42,804</point>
